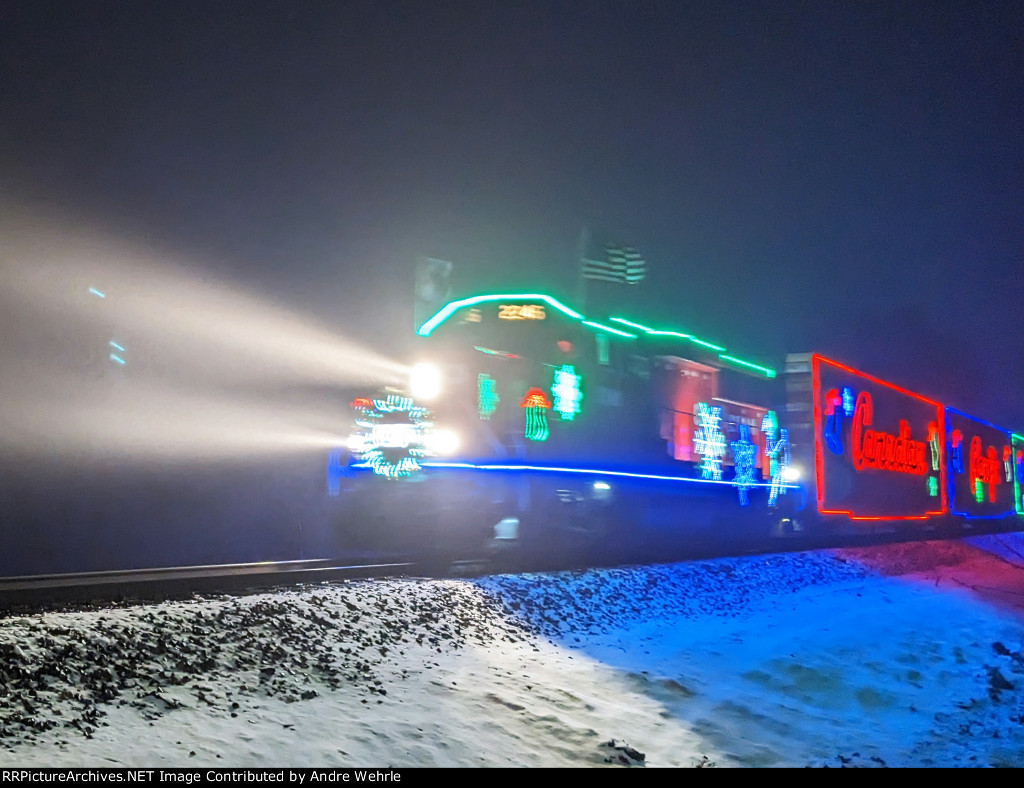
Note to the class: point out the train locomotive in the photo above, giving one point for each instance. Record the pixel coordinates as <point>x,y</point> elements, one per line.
<point>529,429</point>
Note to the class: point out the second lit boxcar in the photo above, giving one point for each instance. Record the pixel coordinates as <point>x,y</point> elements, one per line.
<point>885,456</point>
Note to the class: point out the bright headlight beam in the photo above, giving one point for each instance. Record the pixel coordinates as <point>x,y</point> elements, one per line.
<point>215,372</point>
<point>443,443</point>
<point>425,381</point>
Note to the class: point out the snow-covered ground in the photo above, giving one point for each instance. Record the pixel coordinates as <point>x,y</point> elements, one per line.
<point>905,655</point>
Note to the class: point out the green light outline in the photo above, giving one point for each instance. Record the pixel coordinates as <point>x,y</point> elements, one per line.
<point>453,306</point>
<point>658,333</point>
<point>689,337</point>
<point>1016,482</point>
<point>609,329</point>
<point>768,372</point>
<point>487,398</point>
<point>631,324</point>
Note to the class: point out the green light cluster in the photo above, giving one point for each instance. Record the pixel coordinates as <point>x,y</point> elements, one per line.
<point>565,390</point>
<point>1018,502</point>
<point>536,428</point>
<point>487,396</point>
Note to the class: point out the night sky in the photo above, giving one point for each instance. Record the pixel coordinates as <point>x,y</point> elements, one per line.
<point>841,177</point>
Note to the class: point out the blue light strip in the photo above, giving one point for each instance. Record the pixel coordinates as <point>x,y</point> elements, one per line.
<point>980,421</point>
<point>950,481</point>
<point>116,346</point>
<point>96,292</point>
<point>118,359</point>
<point>470,466</point>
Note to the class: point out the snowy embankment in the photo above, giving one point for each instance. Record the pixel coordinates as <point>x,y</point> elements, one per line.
<point>782,660</point>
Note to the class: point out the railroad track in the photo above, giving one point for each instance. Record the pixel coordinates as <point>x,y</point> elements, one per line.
<point>34,592</point>
<point>19,594</point>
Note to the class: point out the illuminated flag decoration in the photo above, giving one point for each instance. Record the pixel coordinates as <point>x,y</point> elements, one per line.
<point>566,392</point>
<point>621,264</point>
<point>708,441</point>
<point>536,405</point>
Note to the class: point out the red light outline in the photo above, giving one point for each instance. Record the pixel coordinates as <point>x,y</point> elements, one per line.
<point>819,460</point>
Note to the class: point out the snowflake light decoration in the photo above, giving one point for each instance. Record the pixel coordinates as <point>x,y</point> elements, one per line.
<point>566,392</point>
<point>744,457</point>
<point>390,434</point>
<point>708,441</point>
<point>778,451</point>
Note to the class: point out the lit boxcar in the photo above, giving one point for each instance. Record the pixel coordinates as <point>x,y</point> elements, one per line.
<point>884,456</point>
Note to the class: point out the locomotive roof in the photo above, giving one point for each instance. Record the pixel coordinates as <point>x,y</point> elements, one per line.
<point>623,327</point>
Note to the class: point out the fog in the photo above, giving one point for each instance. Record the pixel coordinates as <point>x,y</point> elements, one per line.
<point>110,347</point>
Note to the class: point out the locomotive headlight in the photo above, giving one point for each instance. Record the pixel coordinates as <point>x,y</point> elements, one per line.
<point>442,442</point>
<point>425,381</point>
<point>791,474</point>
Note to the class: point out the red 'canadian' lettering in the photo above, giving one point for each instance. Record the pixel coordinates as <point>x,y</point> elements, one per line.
<point>882,450</point>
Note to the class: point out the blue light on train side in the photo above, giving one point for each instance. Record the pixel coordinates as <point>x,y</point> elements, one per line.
<point>472,466</point>
<point>985,472</point>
